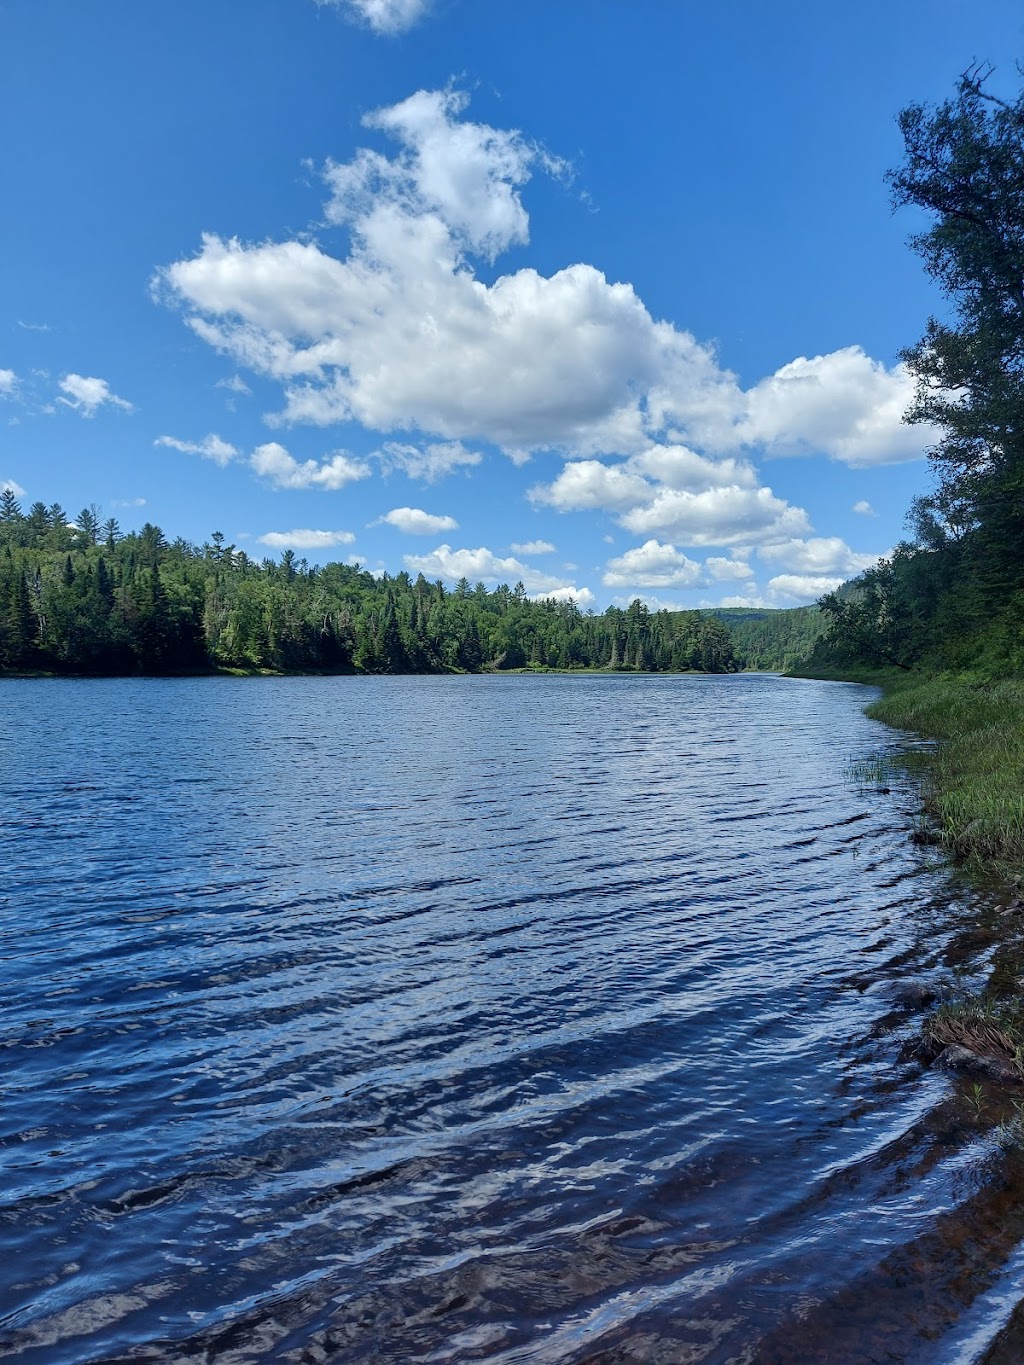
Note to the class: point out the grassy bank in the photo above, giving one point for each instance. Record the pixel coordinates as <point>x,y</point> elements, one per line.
<point>973,787</point>
<point>974,778</point>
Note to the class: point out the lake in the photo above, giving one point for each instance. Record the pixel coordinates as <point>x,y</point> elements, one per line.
<point>480,1018</point>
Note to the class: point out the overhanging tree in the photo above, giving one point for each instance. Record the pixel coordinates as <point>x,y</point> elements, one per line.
<point>964,166</point>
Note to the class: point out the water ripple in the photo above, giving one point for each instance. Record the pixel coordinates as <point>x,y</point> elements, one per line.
<point>472,1018</point>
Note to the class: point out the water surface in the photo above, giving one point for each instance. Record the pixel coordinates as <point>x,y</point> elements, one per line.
<point>499,1018</point>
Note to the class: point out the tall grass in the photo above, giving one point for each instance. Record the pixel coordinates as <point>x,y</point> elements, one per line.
<point>974,779</point>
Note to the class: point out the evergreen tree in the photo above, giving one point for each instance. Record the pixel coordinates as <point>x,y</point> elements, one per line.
<point>88,523</point>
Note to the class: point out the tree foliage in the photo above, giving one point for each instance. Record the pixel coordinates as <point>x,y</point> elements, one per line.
<point>80,597</point>
<point>953,595</point>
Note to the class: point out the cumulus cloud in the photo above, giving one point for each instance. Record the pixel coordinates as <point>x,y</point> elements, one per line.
<point>482,565</point>
<point>399,333</point>
<point>678,467</point>
<point>591,484</point>
<point>211,447</point>
<point>467,174</point>
<point>305,539</point>
<point>690,498</point>
<point>863,508</point>
<point>844,405</point>
<point>387,17</point>
<point>87,395</point>
<point>793,589</point>
<point>650,600</point>
<point>415,522</point>
<point>426,463</point>
<point>652,565</point>
<point>9,486</point>
<point>274,463</point>
<point>718,516</point>
<point>750,599</point>
<point>533,547</point>
<point>818,555</point>
<point>583,597</point>
<point>8,382</point>
<point>724,570</point>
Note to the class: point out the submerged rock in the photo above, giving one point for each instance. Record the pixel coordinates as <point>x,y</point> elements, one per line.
<point>955,1057</point>
<point>913,994</point>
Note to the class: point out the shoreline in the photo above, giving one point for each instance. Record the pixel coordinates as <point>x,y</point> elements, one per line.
<point>973,777</point>
<point>972,789</point>
<point>43,674</point>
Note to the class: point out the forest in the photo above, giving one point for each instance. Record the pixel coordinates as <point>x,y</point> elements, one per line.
<point>951,596</point>
<point>78,596</point>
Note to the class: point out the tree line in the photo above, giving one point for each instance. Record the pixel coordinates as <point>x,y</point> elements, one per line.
<point>79,596</point>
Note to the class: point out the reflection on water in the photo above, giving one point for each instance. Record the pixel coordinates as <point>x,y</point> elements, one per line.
<point>444,1019</point>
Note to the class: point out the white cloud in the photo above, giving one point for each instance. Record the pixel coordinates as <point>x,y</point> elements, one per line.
<point>678,467</point>
<point>426,463</point>
<point>86,395</point>
<point>484,566</point>
<point>399,334</point>
<point>236,384</point>
<point>591,484</point>
<point>273,463</point>
<point>8,485</point>
<point>533,547</point>
<point>34,326</point>
<point>384,16</point>
<point>707,502</point>
<point>211,447</point>
<point>863,508</point>
<point>466,173</point>
<point>752,599</point>
<point>793,589</point>
<point>818,555</point>
<point>844,405</point>
<point>652,602</point>
<point>653,565</point>
<point>415,522</point>
<point>583,597</point>
<point>718,516</point>
<point>305,539</point>
<point>8,382</point>
<point>727,570</point>
<point>128,502</point>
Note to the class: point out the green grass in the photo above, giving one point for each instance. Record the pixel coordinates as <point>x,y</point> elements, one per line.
<point>974,778</point>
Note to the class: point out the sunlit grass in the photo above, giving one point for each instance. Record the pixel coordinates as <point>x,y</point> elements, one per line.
<point>974,779</point>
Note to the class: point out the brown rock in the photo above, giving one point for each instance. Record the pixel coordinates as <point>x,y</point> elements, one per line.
<point>958,1058</point>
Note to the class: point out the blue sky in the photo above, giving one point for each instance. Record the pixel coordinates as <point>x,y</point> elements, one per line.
<point>604,296</point>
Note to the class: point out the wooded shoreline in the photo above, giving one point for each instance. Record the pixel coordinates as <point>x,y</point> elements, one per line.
<point>79,597</point>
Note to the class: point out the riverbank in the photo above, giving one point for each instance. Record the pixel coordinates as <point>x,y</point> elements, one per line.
<point>973,778</point>
<point>974,789</point>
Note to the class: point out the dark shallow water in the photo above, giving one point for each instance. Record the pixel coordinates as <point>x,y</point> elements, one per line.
<point>444,1019</point>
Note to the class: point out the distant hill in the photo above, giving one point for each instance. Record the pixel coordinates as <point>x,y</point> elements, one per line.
<point>768,638</point>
